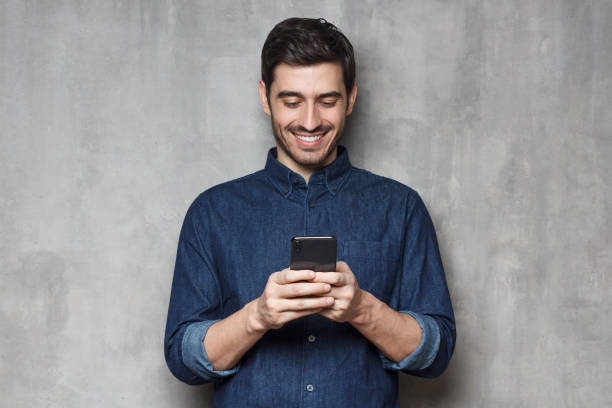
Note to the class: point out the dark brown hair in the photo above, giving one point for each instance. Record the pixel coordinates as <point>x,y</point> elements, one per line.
<point>306,41</point>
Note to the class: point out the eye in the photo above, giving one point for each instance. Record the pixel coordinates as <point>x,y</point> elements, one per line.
<point>329,104</point>
<point>291,104</point>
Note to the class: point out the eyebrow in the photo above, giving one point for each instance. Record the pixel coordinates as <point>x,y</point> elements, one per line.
<point>289,94</point>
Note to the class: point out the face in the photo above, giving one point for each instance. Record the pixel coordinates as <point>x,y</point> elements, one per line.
<point>308,107</point>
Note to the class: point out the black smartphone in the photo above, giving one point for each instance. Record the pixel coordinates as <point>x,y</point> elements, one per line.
<point>314,253</point>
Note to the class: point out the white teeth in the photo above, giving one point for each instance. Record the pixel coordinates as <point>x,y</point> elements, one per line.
<point>308,138</point>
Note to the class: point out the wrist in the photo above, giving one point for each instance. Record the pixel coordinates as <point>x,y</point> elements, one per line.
<point>364,310</point>
<point>254,323</point>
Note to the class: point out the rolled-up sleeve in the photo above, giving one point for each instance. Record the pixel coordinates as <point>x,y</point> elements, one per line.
<point>424,295</point>
<point>194,353</point>
<point>195,304</point>
<point>426,351</point>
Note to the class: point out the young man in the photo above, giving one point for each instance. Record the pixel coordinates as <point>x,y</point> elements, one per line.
<point>271,336</point>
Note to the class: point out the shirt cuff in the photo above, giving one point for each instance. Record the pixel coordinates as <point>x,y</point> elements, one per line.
<point>427,349</point>
<point>194,354</point>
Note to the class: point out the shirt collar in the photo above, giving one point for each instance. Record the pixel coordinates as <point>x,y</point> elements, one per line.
<point>332,175</point>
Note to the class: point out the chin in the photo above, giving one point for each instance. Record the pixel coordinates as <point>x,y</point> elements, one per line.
<point>308,161</point>
<point>311,158</point>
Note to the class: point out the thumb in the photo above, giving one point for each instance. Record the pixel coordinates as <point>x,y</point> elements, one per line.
<point>342,266</point>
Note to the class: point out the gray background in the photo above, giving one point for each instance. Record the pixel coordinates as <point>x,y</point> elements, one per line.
<point>114,115</point>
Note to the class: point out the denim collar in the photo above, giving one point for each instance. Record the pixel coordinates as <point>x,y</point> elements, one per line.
<point>332,175</point>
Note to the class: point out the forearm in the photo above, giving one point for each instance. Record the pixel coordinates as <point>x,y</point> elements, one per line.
<point>395,334</point>
<point>229,339</point>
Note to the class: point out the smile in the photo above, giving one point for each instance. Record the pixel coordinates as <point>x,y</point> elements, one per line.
<point>308,138</point>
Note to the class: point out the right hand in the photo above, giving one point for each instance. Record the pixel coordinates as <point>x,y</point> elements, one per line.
<point>288,295</point>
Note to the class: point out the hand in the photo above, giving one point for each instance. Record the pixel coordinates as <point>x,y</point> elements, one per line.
<point>288,295</point>
<point>345,291</point>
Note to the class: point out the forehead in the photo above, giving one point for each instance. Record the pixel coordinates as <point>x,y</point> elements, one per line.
<point>308,79</point>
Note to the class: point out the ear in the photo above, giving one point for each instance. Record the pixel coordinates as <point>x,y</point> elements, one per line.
<point>351,99</point>
<point>264,98</point>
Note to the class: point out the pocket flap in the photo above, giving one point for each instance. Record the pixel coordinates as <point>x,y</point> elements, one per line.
<point>371,250</point>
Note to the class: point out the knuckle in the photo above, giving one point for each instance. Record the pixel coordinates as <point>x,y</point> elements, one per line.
<point>269,292</point>
<point>272,305</point>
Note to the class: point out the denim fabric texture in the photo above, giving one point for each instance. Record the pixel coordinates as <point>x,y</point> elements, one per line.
<point>237,233</point>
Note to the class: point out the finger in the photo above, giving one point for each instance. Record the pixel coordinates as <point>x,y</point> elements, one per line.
<point>342,266</point>
<point>297,304</point>
<point>327,313</point>
<point>300,289</point>
<point>333,278</point>
<point>335,291</point>
<point>289,275</point>
<point>292,315</point>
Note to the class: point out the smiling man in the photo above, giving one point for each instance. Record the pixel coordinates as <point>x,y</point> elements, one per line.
<point>270,336</point>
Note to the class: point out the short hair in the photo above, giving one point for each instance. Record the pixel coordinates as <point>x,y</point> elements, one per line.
<point>306,41</point>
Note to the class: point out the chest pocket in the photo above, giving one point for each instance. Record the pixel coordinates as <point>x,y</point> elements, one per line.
<point>375,265</point>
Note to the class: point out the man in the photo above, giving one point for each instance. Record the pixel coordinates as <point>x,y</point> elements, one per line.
<point>271,336</point>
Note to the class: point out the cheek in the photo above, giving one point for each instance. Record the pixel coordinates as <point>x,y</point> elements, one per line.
<point>282,118</point>
<point>335,117</point>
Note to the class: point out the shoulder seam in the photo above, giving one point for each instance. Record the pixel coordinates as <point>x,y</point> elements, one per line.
<point>228,182</point>
<point>411,191</point>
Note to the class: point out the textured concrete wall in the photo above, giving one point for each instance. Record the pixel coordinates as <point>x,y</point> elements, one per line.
<point>114,115</point>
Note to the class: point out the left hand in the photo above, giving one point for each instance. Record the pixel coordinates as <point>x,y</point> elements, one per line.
<point>345,291</point>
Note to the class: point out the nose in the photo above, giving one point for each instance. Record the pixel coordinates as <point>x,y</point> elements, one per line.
<point>311,118</point>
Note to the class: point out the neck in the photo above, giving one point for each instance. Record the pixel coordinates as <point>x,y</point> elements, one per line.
<point>303,170</point>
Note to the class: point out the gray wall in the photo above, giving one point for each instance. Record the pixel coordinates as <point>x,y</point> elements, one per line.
<point>114,115</point>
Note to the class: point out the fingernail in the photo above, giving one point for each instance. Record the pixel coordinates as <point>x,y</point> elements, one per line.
<point>330,300</point>
<point>326,286</point>
<point>311,274</point>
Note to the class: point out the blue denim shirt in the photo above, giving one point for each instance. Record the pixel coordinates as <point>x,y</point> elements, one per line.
<point>237,233</point>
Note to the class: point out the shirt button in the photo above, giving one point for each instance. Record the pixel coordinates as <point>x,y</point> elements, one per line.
<point>311,338</point>
<point>295,180</point>
<point>310,388</point>
<point>311,205</point>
